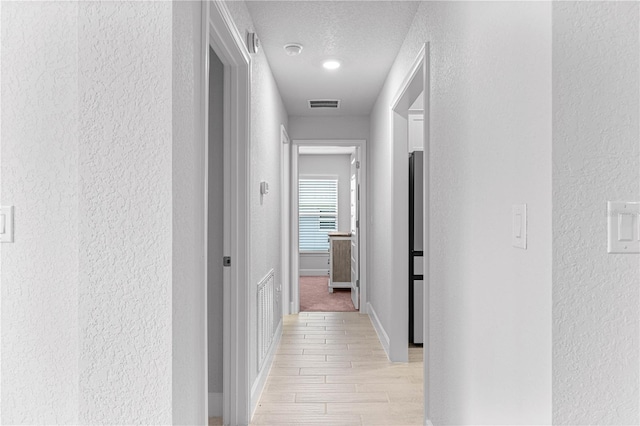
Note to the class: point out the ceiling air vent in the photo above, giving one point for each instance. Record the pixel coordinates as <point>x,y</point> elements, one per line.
<point>324,103</point>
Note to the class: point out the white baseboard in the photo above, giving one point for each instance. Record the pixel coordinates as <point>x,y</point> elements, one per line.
<point>215,404</point>
<point>377,325</point>
<point>258,384</point>
<point>314,272</point>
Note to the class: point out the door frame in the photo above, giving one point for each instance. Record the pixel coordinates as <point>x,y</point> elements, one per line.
<point>295,249</point>
<point>285,200</point>
<point>417,80</point>
<point>221,34</point>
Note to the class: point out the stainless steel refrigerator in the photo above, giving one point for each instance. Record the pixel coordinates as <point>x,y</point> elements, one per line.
<point>416,254</point>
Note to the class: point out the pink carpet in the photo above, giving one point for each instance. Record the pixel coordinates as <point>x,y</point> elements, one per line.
<point>315,296</point>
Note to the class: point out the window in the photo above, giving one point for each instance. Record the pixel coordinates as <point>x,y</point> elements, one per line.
<point>318,211</point>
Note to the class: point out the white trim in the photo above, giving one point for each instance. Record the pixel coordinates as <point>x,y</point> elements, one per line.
<point>285,199</point>
<point>314,272</point>
<point>261,379</point>
<point>426,208</point>
<point>411,87</point>
<point>409,78</point>
<point>228,43</point>
<point>318,176</point>
<point>215,404</point>
<point>294,231</point>
<point>380,331</point>
<point>204,108</point>
<point>364,213</point>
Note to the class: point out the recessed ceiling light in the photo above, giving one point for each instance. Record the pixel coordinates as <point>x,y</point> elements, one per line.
<point>331,64</point>
<point>293,49</point>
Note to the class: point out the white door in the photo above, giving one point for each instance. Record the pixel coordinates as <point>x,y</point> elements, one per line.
<point>355,231</point>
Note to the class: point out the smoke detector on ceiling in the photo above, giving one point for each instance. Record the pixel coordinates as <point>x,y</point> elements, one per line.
<point>253,42</point>
<point>324,103</point>
<point>293,49</point>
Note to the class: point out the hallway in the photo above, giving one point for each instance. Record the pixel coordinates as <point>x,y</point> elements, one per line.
<point>331,369</point>
<point>530,127</point>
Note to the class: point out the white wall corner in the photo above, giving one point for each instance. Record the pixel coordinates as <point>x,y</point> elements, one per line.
<point>261,379</point>
<point>382,334</point>
<point>215,404</point>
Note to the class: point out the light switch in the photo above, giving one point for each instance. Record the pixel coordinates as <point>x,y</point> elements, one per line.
<point>517,226</point>
<point>519,219</point>
<point>623,227</point>
<point>6,224</point>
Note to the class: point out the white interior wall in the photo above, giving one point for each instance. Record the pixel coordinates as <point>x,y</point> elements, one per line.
<point>39,165</point>
<point>596,158</point>
<point>332,165</point>
<point>87,161</point>
<point>267,114</point>
<point>188,298</point>
<point>329,127</point>
<point>125,212</point>
<point>490,343</point>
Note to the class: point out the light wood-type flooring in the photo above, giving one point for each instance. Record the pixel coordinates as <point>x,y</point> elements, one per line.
<point>331,369</point>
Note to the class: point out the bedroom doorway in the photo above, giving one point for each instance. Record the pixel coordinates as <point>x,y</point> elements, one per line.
<point>328,191</point>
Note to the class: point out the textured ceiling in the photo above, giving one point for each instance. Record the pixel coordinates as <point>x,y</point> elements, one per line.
<point>364,35</point>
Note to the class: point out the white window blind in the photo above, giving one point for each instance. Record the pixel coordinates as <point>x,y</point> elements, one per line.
<point>318,212</point>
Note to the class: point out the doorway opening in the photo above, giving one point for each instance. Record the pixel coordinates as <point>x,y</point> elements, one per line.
<point>217,221</point>
<point>328,226</point>
<point>226,104</point>
<point>410,130</point>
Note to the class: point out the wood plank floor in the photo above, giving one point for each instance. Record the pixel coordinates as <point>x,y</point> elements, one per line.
<point>331,369</point>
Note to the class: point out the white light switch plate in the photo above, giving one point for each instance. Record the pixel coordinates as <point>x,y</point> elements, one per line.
<point>623,227</point>
<point>519,223</point>
<point>6,224</point>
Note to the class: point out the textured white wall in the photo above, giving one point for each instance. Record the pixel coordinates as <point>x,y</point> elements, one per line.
<point>596,158</point>
<point>125,216</point>
<point>87,161</point>
<point>188,299</point>
<point>347,127</point>
<point>90,90</point>
<point>267,114</point>
<point>39,160</point>
<point>490,344</point>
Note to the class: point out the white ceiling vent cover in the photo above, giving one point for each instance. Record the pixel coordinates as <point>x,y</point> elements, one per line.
<point>324,103</point>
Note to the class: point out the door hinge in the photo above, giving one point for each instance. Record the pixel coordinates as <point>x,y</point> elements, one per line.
<point>357,164</point>
<point>226,261</point>
<point>357,224</point>
<point>357,283</point>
